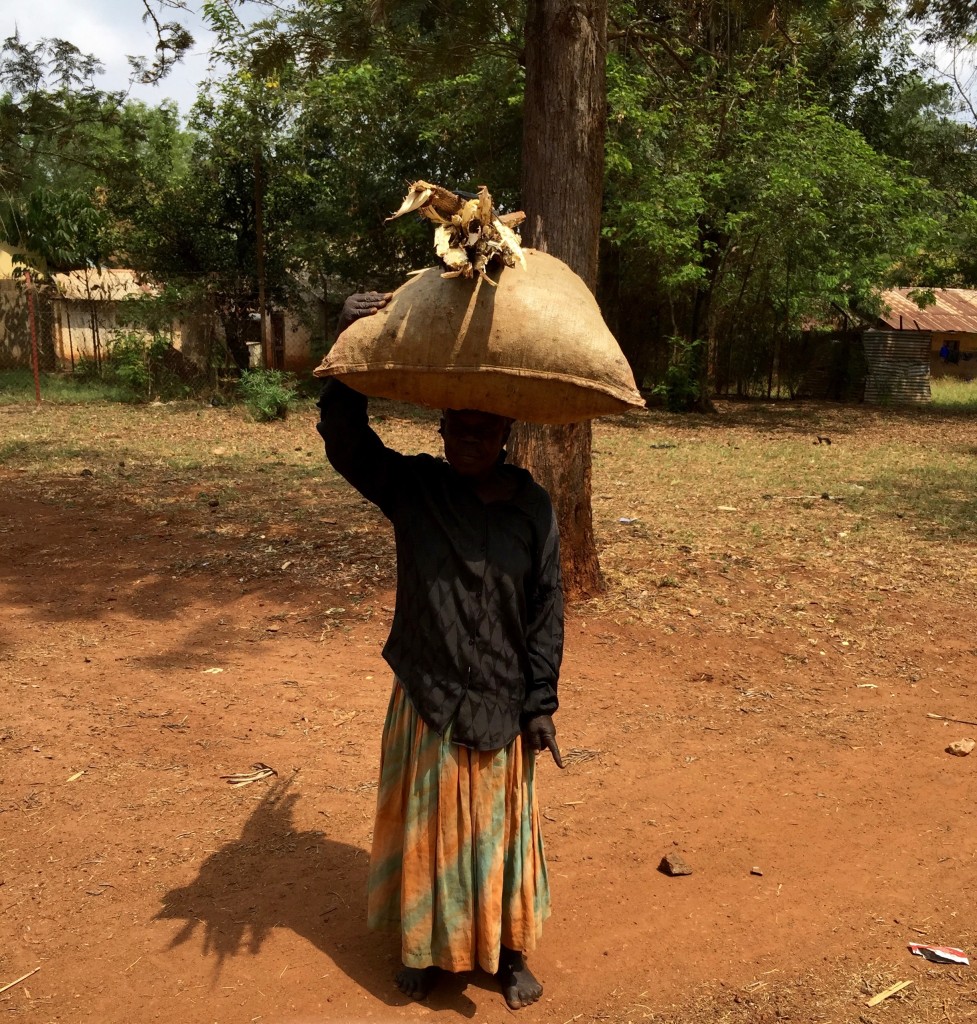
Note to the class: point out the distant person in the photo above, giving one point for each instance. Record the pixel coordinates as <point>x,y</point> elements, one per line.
<point>945,352</point>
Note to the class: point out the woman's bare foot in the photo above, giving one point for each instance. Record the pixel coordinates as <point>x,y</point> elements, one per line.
<point>416,982</point>
<point>518,983</point>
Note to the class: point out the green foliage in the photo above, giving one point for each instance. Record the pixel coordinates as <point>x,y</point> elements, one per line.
<point>741,201</point>
<point>128,361</point>
<point>138,367</point>
<point>267,394</point>
<point>945,20</point>
<point>766,165</point>
<point>726,206</point>
<point>80,166</point>
<point>138,363</point>
<point>55,229</point>
<point>681,388</point>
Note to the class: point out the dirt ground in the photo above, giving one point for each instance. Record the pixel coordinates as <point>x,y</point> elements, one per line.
<point>153,643</point>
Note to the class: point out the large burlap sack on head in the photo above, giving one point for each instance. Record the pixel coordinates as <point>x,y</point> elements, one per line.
<point>534,348</point>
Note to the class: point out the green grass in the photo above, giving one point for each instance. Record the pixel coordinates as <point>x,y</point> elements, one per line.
<point>954,395</point>
<point>17,387</point>
<point>46,452</point>
<point>17,450</point>
<point>938,499</point>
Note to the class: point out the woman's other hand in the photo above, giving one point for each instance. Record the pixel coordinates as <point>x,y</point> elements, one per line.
<point>540,734</point>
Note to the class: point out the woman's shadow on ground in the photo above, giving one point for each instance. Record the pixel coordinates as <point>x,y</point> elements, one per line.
<point>275,876</point>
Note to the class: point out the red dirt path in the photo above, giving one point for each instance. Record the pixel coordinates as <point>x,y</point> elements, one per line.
<point>149,890</point>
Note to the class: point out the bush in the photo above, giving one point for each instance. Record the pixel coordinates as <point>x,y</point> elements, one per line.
<point>142,364</point>
<point>268,394</point>
<point>680,388</point>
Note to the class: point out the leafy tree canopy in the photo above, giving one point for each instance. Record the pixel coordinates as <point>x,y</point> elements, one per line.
<point>765,161</point>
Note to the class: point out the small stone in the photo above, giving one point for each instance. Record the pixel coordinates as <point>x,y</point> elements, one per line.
<point>672,864</point>
<point>961,747</point>
<point>756,871</point>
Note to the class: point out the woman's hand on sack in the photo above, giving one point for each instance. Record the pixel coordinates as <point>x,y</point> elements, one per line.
<point>540,734</point>
<point>359,305</point>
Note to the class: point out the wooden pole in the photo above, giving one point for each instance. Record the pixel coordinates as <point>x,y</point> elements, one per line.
<point>35,366</point>
<point>93,319</point>
<point>59,346</point>
<point>71,344</point>
<point>267,355</point>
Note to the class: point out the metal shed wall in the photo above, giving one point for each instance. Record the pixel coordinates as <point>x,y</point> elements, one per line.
<point>898,366</point>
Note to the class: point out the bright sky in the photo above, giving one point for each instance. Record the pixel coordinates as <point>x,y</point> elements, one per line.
<point>112,29</point>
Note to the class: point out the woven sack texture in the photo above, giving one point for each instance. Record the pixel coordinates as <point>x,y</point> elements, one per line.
<point>534,348</point>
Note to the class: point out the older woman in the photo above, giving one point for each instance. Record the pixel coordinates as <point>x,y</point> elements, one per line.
<point>476,643</point>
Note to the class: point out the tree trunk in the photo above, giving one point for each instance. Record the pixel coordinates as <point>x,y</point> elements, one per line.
<point>711,246</point>
<point>267,351</point>
<point>562,190</point>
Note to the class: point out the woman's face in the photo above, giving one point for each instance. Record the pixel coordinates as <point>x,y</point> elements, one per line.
<point>473,440</point>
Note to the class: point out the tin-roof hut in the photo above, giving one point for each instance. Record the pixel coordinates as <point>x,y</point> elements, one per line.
<point>950,323</point>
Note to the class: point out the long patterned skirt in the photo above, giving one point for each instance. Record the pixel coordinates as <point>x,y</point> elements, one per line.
<point>457,861</point>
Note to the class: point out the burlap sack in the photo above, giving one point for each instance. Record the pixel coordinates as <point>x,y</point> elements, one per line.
<point>535,348</point>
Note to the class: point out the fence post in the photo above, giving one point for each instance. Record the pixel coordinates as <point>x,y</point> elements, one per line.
<point>30,315</point>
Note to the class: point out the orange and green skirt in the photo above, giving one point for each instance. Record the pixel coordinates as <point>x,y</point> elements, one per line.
<point>457,861</point>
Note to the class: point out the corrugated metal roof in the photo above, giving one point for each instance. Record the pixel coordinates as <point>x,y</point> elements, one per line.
<point>101,284</point>
<point>955,310</point>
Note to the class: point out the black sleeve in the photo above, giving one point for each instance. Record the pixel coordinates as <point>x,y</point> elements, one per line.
<point>545,630</point>
<point>353,449</point>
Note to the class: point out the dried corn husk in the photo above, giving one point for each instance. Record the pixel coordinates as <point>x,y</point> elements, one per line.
<point>470,235</point>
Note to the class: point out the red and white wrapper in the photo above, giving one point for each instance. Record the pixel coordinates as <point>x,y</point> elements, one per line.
<point>939,954</point>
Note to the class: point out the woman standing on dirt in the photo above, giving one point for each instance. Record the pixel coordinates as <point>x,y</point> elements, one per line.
<point>476,643</point>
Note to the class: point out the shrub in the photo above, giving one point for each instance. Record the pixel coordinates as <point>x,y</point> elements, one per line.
<point>143,365</point>
<point>680,388</point>
<point>268,394</point>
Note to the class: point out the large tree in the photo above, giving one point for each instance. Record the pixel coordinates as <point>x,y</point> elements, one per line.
<point>743,195</point>
<point>562,189</point>
<point>463,66</point>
